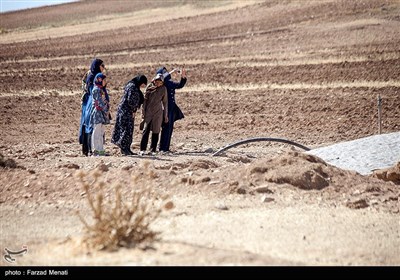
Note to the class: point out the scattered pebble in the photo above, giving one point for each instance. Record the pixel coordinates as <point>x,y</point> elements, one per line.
<point>169,205</point>
<point>267,199</point>
<point>221,206</point>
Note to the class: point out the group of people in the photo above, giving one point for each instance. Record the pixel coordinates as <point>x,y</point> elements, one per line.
<point>159,111</point>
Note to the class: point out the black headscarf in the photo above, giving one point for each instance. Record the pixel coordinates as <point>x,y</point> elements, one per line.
<point>138,81</point>
<point>94,70</point>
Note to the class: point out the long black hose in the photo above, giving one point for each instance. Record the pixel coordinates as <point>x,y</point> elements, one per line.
<point>260,139</point>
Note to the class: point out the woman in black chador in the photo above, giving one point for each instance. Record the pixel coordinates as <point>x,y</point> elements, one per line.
<point>124,122</point>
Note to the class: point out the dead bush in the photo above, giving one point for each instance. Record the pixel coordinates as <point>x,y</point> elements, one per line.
<point>7,163</point>
<point>121,220</point>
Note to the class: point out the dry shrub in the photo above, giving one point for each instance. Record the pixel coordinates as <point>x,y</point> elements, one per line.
<point>121,220</point>
<point>7,163</point>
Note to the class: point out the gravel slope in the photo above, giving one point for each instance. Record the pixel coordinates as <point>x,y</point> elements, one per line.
<point>363,155</point>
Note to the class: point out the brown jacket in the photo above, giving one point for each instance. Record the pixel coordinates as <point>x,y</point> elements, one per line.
<point>155,107</point>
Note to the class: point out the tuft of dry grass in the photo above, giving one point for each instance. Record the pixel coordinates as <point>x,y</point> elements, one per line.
<point>121,220</point>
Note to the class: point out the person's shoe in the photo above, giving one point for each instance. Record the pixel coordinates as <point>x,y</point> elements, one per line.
<point>141,153</point>
<point>102,153</point>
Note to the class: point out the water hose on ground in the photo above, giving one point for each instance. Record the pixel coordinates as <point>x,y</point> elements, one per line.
<point>259,139</point>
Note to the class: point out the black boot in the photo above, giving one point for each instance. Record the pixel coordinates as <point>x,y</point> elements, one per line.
<point>125,152</point>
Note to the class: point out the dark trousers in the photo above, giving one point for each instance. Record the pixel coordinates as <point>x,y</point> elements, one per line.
<point>89,141</point>
<point>145,139</point>
<point>86,142</point>
<point>166,134</point>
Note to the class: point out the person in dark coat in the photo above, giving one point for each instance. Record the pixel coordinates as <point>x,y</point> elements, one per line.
<point>174,112</point>
<point>85,128</point>
<point>130,102</point>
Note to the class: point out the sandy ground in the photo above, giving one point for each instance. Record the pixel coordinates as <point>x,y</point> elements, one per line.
<point>307,71</point>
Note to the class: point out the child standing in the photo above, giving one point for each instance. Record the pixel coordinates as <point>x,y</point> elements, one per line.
<point>100,114</point>
<point>154,112</point>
